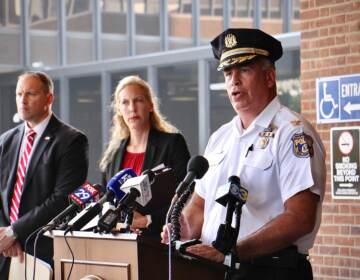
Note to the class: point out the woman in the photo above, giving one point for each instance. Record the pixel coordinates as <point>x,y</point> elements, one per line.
<point>141,139</point>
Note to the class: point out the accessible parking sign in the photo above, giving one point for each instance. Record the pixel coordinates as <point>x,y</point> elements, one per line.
<point>338,99</point>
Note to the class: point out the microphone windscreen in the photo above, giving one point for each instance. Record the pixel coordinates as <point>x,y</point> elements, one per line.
<point>118,180</point>
<point>86,193</point>
<point>198,165</point>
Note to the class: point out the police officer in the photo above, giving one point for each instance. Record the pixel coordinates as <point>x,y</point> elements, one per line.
<point>279,158</point>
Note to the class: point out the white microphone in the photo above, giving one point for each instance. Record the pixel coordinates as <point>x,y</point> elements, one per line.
<point>143,185</point>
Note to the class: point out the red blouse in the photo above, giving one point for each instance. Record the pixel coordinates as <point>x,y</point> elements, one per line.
<point>133,161</point>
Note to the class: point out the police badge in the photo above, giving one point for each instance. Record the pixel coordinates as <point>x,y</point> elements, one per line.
<point>302,145</point>
<point>230,41</point>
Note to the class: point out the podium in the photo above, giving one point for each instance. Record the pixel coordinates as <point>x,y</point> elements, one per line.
<point>125,257</point>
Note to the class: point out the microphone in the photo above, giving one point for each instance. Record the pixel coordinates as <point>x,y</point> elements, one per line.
<point>138,190</point>
<point>231,192</point>
<point>196,169</point>
<point>83,195</point>
<point>113,191</point>
<point>232,196</point>
<point>142,184</point>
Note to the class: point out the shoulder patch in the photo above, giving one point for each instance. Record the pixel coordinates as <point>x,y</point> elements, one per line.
<point>302,145</point>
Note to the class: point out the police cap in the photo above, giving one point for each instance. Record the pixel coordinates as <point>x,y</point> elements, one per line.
<point>240,45</point>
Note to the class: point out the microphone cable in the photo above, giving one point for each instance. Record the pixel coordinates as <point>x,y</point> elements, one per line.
<point>169,254</point>
<point>176,212</point>
<point>72,256</point>
<point>25,249</point>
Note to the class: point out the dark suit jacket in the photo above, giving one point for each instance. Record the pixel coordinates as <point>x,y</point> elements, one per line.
<point>167,148</point>
<point>58,165</point>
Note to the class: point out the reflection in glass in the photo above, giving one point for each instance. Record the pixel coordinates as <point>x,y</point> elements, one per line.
<point>178,94</point>
<point>43,33</point>
<point>211,20</point>
<point>85,114</point>
<point>241,14</point>
<point>114,37</point>
<point>180,24</point>
<point>10,36</point>
<point>79,36</point>
<point>147,22</point>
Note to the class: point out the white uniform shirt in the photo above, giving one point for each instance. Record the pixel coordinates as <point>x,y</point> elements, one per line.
<point>272,169</point>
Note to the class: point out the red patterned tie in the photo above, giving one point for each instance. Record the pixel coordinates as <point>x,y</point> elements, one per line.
<point>20,176</point>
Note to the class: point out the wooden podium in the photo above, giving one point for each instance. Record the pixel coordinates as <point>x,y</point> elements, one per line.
<point>125,257</point>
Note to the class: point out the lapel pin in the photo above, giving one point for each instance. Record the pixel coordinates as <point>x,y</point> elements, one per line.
<point>47,138</point>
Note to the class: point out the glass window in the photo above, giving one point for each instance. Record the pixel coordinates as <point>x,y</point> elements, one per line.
<point>295,20</point>
<point>288,79</point>
<point>7,107</point>
<point>211,20</point>
<point>79,36</point>
<point>180,24</point>
<point>10,35</point>
<point>272,14</point>
<point>221,110</point>
<point>178,94</point>
<point>10,12</point>
<point>43,33</point>
<point>85,114</point>
<point>114,36</point>
<point>56,103</point>
<point>147,24</point>
<point>241,14</point>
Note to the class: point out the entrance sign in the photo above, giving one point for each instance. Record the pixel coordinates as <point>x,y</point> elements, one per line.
<point>338,99</point>
<point>345,162</point>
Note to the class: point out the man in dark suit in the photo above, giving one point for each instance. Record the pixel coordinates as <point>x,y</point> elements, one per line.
<point>41,162</point>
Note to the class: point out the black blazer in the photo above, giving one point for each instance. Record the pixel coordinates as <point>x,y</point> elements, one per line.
<point>58,165</point>
<point>167,148</point>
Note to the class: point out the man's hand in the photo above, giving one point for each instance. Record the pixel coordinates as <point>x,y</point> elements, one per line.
<point>207,252</point>
<point>5,241</point>
<point>15,250</point>
<point>185,231</point>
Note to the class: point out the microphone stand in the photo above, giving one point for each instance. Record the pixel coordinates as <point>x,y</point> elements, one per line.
<point>226,238</point>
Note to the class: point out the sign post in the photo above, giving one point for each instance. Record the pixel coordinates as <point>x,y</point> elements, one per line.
<point>345,162</point>
<point>338,99</point>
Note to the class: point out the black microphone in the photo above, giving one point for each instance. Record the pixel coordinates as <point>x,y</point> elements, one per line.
<point>111,217</point>
<point>83,195</point>
<point>196,169</point>
<point>232,196</point>
<point>231,192</point>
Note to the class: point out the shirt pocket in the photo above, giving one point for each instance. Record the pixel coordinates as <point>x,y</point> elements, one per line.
<point>260,159</point>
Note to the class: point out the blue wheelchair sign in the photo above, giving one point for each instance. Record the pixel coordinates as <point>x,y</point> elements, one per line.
<point>338,99</point>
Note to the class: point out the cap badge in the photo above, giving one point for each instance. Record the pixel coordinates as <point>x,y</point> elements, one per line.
<point>230,41</point>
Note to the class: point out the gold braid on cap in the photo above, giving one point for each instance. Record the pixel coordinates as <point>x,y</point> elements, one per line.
<point>235,60</point>
<point>241,51</point>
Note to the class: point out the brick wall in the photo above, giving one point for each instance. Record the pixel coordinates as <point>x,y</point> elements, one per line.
<point>330,46</point>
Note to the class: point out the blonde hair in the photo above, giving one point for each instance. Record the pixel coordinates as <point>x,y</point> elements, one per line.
<point>119,130</point>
